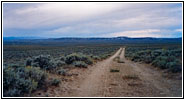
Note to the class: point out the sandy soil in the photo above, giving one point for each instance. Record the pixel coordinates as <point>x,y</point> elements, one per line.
<point>132,80</point>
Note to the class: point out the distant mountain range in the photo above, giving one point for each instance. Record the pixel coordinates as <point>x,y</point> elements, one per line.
<point>113,38</point>
<point>21,38</point>
<point>89,38</point>
<point>74,40</point>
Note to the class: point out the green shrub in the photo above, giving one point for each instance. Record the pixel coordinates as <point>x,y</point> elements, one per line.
<point>175,69</point>
<point>14,65</point>
<point>104,56</point>
<point>156,53</point>
<point>162,58</point>
<point>59,63</point>
<point>114,70</point>
<point>62,58</point>
<point>78,57</point>
<point>120,61</point>
<point>42,61</point>
<point>28,62</point>
<point>130,77</point>
<point>71,58</point>
<point>18,81</point>
<point>171,58</point>
<point>36,74</point>
<point>116,58</point>
<point>174,66</point>
<point>12,93</point>
<point>62,72</point>
<point>96,57</point>
<point>148,59</point>
<point>135,57</point>
<point>79,64</point>
<point>165,53</point>
<point>160,61</point>
<point>162,64</point>
<point>177,52</point>
<point>46,62</point>
<point>55,82</point>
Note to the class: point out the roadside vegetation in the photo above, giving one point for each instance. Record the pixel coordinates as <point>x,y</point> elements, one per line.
<point>18,80</point>
<point>23,77</point>
<point>169,58</point>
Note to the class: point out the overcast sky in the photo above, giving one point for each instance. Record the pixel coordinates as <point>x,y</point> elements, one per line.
<point>89,19</point>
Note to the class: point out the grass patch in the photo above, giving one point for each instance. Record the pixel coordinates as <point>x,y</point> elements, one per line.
<point>120,61</point>
<point>55,82</point>
<point>130,77</point>
<point>116,58</point>
<point>134,84</point>
<point>114,70</point>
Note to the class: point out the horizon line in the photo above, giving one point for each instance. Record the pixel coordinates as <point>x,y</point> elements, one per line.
<point>84,37</point>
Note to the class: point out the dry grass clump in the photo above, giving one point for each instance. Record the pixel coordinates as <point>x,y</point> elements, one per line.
<point>114,70</point>
<point>134,77</point>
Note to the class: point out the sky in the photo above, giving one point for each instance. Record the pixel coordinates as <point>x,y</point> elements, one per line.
<point>92,19</point>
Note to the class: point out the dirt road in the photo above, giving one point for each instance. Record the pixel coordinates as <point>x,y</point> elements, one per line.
<point>132,80</point>
<point>94,84</point>
<point>138,80</point>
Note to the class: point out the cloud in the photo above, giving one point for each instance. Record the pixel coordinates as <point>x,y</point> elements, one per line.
<point>137,33</point>
<point>93,19</point>
<point>178,30</point>
<point>56,13</point>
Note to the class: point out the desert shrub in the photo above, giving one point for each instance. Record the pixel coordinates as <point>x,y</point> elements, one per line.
<point>72,57</point>
<point>116,58</point>
<point>78,57</point>
<point>79,64</point>
<point>96,57</point>
<point>87,60</point>
<point>160,61</point>
<point>59,63</point>
<point>12,93</point>
<point>104,56</point>
<point>135,57</point>
<point>62,58</point>
<point>130,77</point>
<point>14,65</point>
<point>42,61</point>
<point>174,66</point>
<point>175,69</point>
<point>147,59</point>
<point>36,74</point>
<point>120,61</point>
<point>173,63</point>
<point>177,52</point>
<point>114,70</point>
<point>162,58</point>
<point>166,62</point>
<point>62,71</point>
<point>28,62</point>
<point>55,82</point>
<point>164,52</point>
<point>161,64</point>
<point>18,81</point>
<point>156,53</point>
<point>46,62</point>
<point>171,58</point>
